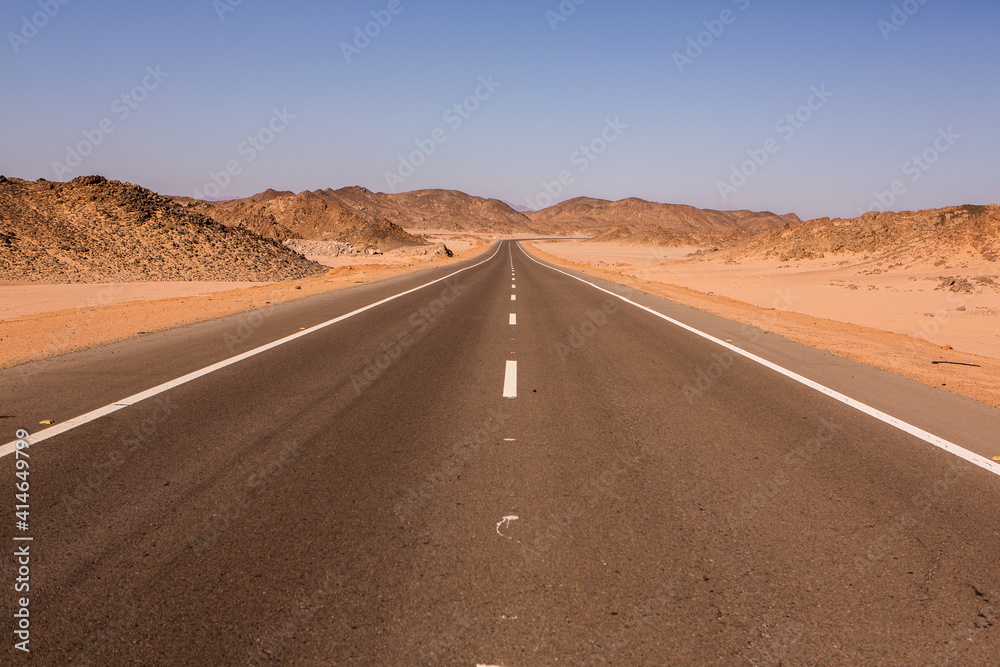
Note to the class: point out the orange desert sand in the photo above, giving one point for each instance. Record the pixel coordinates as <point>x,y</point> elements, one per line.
<point>888,318</point>
<point>843,288</point>
<point>18,300</point>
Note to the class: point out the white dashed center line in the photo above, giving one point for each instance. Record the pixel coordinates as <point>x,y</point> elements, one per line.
<point>510,380</point>
<point>513,297</point>
<point>513,319</point>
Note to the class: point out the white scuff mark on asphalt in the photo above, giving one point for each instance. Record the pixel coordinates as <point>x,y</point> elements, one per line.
<point>506,519</point>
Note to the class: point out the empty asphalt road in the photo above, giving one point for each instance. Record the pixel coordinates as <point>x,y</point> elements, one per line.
<point>508,466</point>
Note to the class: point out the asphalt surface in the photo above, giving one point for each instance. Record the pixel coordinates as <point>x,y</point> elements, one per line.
<point>366,494</point>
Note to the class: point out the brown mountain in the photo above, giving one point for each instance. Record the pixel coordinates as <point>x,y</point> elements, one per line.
<point>307,215</point>
<point>904,237</point>
<point>448,210</point>
<point>230,213</point>
<point>94,230</point>
<point>584,215</point>
<point>642,235</point>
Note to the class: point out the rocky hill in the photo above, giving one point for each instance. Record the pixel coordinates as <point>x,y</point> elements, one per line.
<point>307,215</point>
<point>94,230</point>
<point>448,210</point>
<point>587,216</point>
<point>905,236</point>
<point>258,221</point>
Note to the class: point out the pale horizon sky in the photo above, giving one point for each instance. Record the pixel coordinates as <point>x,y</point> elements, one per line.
<point>815,108</point>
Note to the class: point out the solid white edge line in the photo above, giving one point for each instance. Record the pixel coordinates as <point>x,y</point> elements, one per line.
<point>70,424</point>
<point>950,447</point>
<point>510,380</point>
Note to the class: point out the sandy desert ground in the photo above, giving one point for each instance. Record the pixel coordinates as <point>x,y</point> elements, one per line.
<point>20,300</point>
<point>610,254</point>
<point>894,319</point>
<point>845,288</point>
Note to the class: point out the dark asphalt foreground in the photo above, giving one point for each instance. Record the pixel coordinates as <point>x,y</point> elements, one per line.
<point>341,498</point>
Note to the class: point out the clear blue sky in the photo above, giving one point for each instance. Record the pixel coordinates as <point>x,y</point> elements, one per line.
<point>894,94</point>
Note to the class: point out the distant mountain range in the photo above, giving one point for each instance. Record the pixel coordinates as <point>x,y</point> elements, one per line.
<point>326,214</point>
<point>643,221</point>
<point>92,229</point>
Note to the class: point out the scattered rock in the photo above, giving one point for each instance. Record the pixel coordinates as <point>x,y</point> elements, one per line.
<point>324,248</point>
<point>956,284</point>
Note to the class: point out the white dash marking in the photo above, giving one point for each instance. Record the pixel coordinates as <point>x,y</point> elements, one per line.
<point>506,519</point>
<point>513,297</point>
<point>510,380</point>
<point>513,286</point>
<point>509,440</point>
<point>513,319</point>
